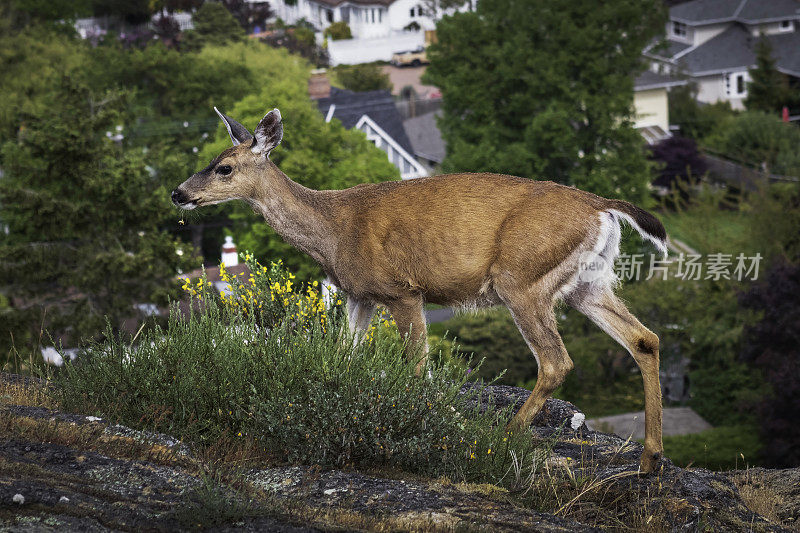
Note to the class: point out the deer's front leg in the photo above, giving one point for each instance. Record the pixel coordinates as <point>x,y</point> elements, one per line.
<point>410,318</point>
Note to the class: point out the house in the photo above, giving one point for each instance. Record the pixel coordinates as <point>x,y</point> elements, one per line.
<point>713,43</point>
<point>367,18</point>
<point>374,113</point>
<point>651,107</point>
<point>426,139</point>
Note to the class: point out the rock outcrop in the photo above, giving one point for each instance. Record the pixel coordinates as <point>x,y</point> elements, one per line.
<point>62,472</point>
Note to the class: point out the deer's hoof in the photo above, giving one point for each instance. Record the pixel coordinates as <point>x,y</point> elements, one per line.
<point>649,461</point>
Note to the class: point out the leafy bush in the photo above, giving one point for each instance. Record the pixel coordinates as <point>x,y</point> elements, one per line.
<point>293,381</point>
<point>680,161</point>
<point>338,30</point>
<point>696,120</point>
<point>364,77</point>
<point>720,448</point>
<point>759,139</point>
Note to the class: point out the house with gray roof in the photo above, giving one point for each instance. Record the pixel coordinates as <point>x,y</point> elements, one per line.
<point>375,114</point>
<point>713,43</point>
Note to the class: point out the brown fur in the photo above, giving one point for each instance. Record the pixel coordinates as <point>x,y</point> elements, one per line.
<point>458,239</point>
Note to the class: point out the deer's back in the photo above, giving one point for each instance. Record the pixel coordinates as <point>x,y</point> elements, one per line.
<point>448,236</point>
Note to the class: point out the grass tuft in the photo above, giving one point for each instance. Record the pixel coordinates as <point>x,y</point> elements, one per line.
<point>270,366</point>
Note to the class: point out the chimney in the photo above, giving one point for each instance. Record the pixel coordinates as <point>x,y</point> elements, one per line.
<point>319,86</point>
<point>229,255</point>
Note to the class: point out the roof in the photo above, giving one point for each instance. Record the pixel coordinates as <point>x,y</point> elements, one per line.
<point>378,105</point>
<point>425,137</point>
<point>734,49</point>
<point>334,3</point>
<point>650,80</point>
<point>700,12</point>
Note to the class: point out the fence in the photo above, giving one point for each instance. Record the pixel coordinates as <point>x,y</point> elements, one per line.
<point>743,176</point>
<point>416,107</point>
<point>355,51</point>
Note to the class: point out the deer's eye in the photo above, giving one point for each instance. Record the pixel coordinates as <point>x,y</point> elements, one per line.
<point>224,170</point>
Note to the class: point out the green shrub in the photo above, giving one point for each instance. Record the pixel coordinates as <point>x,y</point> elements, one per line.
<point>759,139</point>
<point>364,77</point>
<point>338,30</point>
<point>720,448</point>
<point>295,382</point>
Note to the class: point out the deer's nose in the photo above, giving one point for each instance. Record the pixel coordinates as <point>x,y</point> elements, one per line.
<point>178,197</point>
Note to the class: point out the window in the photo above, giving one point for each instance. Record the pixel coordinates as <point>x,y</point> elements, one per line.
<point>679,29</point>
<point>380,15</point>
<point>412,12</point>
<point>329,15</point>
<point>736,84</point>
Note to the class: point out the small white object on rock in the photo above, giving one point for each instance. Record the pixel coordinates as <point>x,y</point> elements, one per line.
<point>93,418</point>
<point>18,498</point>
<point>577,420</point>
<point>330,492</point>
<point>63,499</point>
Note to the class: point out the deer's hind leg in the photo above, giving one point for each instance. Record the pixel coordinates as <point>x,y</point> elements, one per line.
<point>610,314</point>
<point>359,316</point>
<point>535,319</point>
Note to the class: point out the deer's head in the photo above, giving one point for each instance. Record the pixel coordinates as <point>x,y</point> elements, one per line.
<point>236,172</point>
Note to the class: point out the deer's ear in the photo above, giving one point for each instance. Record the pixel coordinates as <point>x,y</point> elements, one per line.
<point>269,133</point>
<point>238,133</point>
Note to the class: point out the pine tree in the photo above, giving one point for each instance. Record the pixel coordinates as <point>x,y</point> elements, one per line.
<point>82,217</point>
<point>766,92</point>
<point>544,89</point>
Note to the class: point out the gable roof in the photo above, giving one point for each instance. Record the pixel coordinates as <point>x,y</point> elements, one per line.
<point>334,3</point>
<point>378,105</point>
<point>650,80</point>
<point>701,12</point>
<point>425,136</point>
<point>734,49</point>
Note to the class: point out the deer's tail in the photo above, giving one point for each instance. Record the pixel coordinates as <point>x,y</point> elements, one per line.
<point>647,225</point>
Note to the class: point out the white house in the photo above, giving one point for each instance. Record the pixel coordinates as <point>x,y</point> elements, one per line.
<point>367,19</point>
<point>713,43</point>
<point>374,113</point>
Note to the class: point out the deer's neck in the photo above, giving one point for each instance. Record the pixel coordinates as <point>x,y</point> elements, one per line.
<point>298,214</point>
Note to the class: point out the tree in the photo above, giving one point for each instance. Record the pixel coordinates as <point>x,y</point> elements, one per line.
<point>768,91</point>
<point>695,121</point>
<point>213,25</point>
<point>680,161</point>
<point>772,345</point>
<point>249,14</point>
<point>364,77</point>
<point>83,214</point>
<point>759,139</point>
<point>545,89</point>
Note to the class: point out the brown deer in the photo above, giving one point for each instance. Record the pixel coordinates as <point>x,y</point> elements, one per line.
<point>461,239</point>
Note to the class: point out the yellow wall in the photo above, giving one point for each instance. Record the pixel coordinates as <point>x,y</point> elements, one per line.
<point>651,108</point>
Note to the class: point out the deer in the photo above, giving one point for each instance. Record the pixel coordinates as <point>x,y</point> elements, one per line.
<point>467,239</point>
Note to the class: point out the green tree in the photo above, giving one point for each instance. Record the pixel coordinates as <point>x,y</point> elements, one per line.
<point>364,77</point>
<point>760,139</point>
<point>544,89</point>
<point>215,25</point>
<point>83,216</point>
<point>695,121</point>
<point>768,91</point>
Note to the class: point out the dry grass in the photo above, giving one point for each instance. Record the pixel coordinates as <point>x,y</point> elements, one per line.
<point>760,497</point>
<point>25,392</point>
